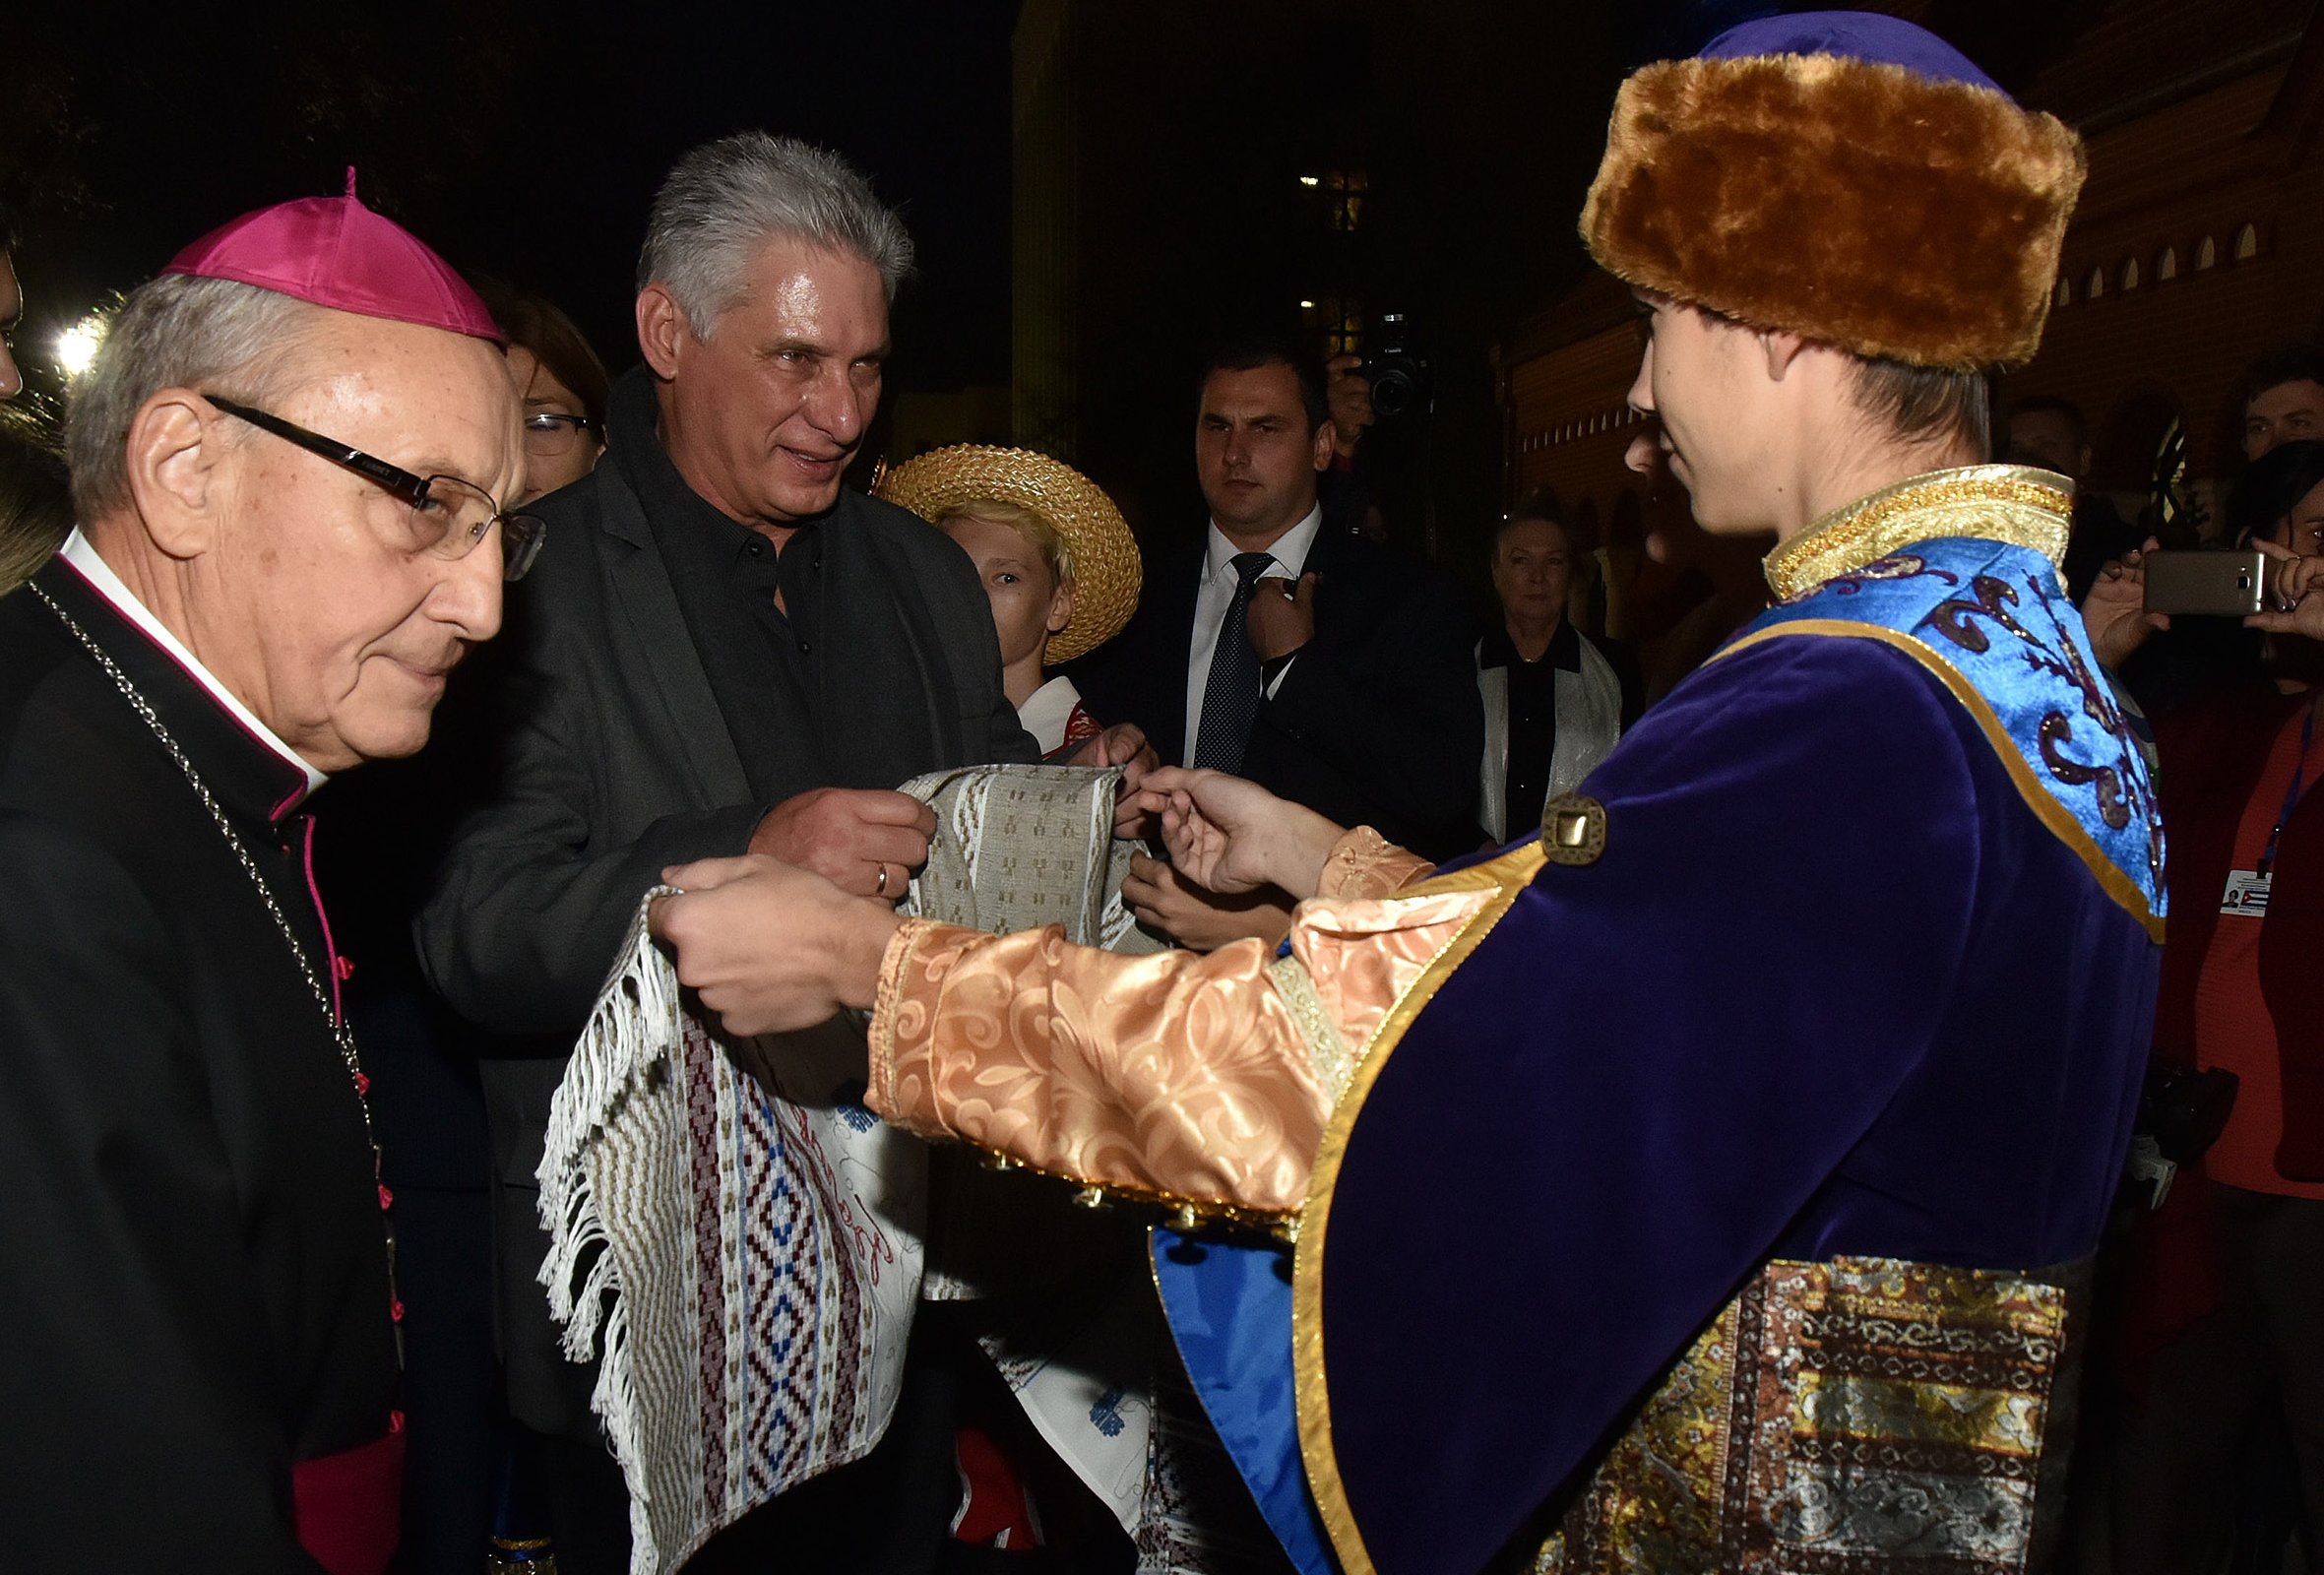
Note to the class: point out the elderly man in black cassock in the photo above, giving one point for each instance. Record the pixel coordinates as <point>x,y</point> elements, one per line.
<point>289,460</point>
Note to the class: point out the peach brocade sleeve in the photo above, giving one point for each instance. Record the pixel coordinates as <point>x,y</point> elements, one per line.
<point>1176,1074</point>
<point>1364,863</point>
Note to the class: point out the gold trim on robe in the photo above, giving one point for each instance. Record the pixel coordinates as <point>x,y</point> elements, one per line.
<point>2014,504</point>
<point>1496,885</point>
<point>2039,798</point>
<point>1858,1417</point>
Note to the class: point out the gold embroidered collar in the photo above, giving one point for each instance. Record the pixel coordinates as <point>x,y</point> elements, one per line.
<point>2012,503</point>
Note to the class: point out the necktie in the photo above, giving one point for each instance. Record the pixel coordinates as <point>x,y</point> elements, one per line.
<point>1231,698</point>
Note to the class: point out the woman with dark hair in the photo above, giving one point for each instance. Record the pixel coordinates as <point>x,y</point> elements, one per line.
<point>560,379</point>
<point>36,508</point>
<point>12,306</point>
<point>2230,1283</point>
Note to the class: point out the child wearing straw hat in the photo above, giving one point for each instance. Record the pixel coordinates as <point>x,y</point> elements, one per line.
<point>1052,553</point>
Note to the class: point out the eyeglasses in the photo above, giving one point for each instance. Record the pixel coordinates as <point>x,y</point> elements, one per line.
<point>549,434</point>
<point>443,515</point>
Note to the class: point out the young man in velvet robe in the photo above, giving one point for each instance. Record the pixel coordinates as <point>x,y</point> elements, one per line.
<point>1702,1183</point>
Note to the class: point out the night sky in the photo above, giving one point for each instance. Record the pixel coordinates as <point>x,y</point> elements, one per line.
<point>527,142</point>
<point>522,141</point>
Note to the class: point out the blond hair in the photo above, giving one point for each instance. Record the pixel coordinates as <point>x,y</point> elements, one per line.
<point>1056,553</point>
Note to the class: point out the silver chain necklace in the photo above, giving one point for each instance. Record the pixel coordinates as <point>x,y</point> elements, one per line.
<point>340,1033</point>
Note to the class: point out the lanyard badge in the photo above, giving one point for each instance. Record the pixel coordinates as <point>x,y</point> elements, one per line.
<point>2246,896</point>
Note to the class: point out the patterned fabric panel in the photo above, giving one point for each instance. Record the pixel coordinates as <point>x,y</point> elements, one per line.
<point>1863,1416</point>
<point>1997,618</point>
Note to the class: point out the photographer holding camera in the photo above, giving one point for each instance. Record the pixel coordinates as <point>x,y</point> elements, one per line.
<point>2232,1277</point>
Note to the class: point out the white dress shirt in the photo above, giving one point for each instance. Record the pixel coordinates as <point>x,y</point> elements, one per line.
<point>1047,711</point>
<point>106,583</point>
<point>1216,594</point>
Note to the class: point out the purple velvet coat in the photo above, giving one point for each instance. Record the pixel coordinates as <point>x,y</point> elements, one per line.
<point>1837,985</point>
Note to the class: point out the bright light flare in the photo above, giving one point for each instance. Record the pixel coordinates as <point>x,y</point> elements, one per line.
<point>1307,306</point>
<point>1310,180</point>
<point>75,347</point>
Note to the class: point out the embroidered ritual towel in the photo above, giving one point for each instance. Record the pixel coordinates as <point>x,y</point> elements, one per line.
<point>743,1241</point>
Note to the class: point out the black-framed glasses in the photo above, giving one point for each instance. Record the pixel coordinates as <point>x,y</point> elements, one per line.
<point>443,515</point>
<point>549,434</point>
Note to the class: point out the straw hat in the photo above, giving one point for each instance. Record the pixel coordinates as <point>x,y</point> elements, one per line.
<point>1105,567</point>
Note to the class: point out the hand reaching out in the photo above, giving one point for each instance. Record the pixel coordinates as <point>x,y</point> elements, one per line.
<point>1162,899</point>
<point>1230,836</point>
<point>1280,617</point>
<point>1123,744</point>
<point>768,947</point>
<point>866,841</point>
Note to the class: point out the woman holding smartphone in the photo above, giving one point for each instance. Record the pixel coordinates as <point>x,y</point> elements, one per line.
<point>2230,1277</point>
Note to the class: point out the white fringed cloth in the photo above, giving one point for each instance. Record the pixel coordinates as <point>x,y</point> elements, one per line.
<point>742,1240</point>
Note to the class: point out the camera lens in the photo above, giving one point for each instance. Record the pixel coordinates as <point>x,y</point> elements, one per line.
<point>1392,393</point>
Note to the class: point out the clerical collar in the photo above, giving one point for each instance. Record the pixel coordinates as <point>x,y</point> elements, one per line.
<point>2009,503</point>
<point>106,583</point>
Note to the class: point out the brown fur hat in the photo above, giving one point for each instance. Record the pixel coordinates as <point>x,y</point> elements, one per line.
<point>1860,203</point>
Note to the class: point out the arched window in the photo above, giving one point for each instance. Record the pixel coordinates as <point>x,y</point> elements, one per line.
<point>2206,254</point>
<point>2096,286</point>
<point>2246,242</point>
<point>2130,272</point>
<point>2065,292</point>
<point>2167,264</point>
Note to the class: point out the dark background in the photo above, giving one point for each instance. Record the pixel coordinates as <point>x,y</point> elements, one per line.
<point>527,142</point>
<point>523,141</point>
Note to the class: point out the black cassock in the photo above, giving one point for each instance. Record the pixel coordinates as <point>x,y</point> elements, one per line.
<point>196,1299</point>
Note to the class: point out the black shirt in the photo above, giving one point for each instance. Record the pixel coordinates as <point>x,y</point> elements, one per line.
<point>795,682</point>
<point>1532,714</point>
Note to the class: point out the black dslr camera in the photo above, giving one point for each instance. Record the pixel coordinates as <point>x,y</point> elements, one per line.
<point>1398,376</point>
<point>2185,1110</point>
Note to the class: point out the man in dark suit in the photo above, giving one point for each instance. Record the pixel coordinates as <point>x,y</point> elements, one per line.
<point>286,458</point>
<point>726,650</point>
<point>1330,670</point>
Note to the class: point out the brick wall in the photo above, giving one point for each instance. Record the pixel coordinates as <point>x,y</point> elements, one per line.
<point>2163,186</point>
<point>2162,182</point>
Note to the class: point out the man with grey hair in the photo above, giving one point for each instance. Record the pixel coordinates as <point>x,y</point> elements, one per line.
<point>730,651</point>
<point>288,458</point>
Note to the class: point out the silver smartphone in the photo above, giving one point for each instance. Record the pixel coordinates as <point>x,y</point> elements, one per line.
<point>2227,585</point>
